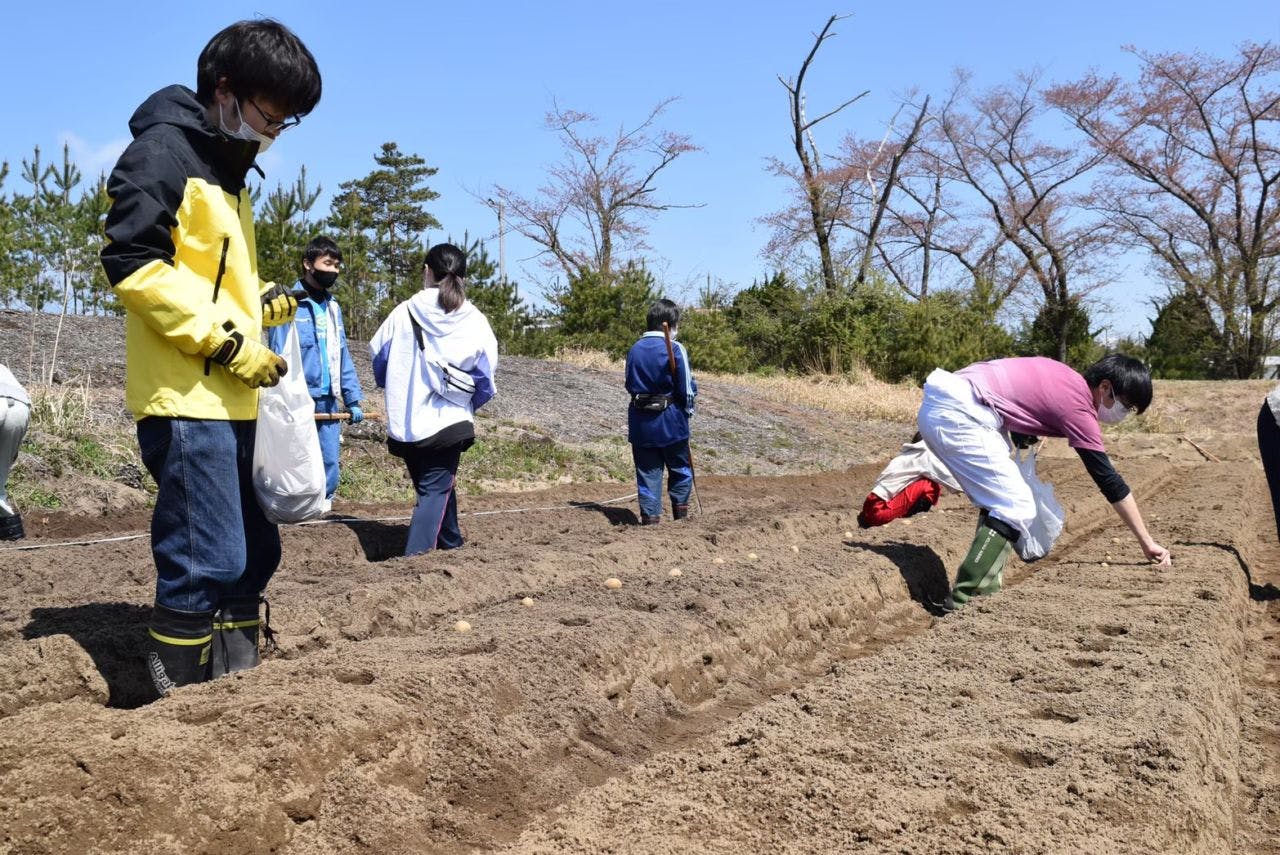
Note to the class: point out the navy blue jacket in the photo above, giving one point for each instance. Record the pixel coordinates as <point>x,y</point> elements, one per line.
<point>649,373</point>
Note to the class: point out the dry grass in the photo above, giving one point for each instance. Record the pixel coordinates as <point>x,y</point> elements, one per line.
<point>857,394</point>
<point>63,411</point>
<point>597,359</point>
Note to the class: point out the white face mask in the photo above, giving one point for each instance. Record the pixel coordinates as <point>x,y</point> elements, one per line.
<point>245,131</point>
<point>1113,414</point>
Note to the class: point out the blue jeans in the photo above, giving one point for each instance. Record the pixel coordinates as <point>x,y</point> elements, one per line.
<point>209,537</point>
<point>435,517</point>
<point>650,463</point>
<point>330,438</point>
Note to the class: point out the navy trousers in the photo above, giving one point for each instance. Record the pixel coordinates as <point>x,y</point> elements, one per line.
<point>1269,447</point>
<point>435,517</point>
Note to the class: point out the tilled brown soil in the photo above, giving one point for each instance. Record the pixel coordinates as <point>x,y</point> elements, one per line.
<point>788,692</point>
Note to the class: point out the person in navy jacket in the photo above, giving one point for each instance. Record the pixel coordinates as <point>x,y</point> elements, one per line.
<point>326,360</point>
<point>658,416</point>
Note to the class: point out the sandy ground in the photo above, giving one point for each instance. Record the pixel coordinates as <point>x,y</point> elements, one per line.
<point>789,691</point>
<point>796,697</point>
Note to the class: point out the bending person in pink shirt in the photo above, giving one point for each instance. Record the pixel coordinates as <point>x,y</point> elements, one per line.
<point>964,420</point>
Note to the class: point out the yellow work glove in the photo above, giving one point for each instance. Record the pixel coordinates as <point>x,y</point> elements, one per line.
<point>251,362</point>
<point>278,307</point>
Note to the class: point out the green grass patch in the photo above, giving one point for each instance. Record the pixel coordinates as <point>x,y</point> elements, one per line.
<point>532,458</point>
<point>368,473</point>
<point>25,494</point>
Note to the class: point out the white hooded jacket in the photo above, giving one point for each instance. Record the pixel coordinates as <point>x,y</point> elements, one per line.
<point>420,402</point>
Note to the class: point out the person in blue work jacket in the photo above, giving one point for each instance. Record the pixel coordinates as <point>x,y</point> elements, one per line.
<point>658,417</point>
<point>326,361</point>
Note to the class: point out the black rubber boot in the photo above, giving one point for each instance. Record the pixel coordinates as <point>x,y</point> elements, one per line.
<point>235,636</point>
<point>645,519</point>
<point>177,648</point>
<point>679,512</point>
<point>982,571</point>
<point>11,527</point>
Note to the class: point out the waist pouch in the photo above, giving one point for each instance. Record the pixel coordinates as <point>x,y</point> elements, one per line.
<point>646,403</point>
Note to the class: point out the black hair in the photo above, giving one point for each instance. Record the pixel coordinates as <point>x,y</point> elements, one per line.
<point>448,265</point>
<point>1130,379</point>
<point>321,246</point>
<point>663,311</point>
<point>260,59</point>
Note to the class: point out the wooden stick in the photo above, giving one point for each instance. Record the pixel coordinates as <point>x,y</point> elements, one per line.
<point>1207,455</point>
<point>345,417</point>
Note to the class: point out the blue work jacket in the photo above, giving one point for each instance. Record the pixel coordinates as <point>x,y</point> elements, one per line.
<point>649,373</point>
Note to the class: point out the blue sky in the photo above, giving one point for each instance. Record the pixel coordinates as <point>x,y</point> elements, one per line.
<point>466,85</point>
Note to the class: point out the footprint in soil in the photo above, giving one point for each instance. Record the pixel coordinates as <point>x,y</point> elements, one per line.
<point>1050,714</point>
<point>355,677</point>
<point>1112,630</point>
<point>1028,759</point>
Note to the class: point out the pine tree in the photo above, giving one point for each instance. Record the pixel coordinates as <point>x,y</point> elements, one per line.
<point>361,296</point>
<point>282,229</point>
<point>17,263</point>
<point>391,200</point>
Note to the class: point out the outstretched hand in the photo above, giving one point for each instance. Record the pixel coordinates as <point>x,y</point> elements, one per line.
<point>1157,554</point>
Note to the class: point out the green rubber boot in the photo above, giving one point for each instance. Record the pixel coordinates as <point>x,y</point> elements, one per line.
<point>982,571</point>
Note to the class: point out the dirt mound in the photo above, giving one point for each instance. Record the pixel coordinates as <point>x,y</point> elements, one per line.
<point>787,692</point>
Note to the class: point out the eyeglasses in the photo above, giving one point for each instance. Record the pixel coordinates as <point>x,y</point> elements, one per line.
<point>1132,409</point>
<point>272,124</point>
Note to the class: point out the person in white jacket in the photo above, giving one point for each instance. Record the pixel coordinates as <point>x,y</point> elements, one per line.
<point>435,355</point>
<point>15,411</point>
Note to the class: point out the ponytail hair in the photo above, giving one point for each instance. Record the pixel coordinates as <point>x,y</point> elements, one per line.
<point>448,266</point>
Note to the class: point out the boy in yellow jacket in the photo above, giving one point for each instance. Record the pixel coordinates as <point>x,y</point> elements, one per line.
<point>182,258</point>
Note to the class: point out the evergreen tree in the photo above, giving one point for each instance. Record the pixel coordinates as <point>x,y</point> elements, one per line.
<point>36,213</point>
<point>764,318</point>
<point>595,315</point>
<point>1061,324</point>
<point>283,231</point>
<point>359,292</point>
<point>948,329</point>
<point>18,265</point>
<point>391,210</point>
<point>1185,343</point>
<point>100,297</point>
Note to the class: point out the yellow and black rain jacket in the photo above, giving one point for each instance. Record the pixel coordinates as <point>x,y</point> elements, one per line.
<point>182,258</point>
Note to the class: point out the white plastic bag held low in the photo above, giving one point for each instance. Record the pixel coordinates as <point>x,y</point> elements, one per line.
<point>288,470</point>
<point>1042,532</point>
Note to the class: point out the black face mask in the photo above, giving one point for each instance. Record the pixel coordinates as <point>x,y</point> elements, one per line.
<point>324,278</point>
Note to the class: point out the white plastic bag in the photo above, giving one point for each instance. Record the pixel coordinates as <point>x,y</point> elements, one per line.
<point>288,469</point>
<point>1041,533</point>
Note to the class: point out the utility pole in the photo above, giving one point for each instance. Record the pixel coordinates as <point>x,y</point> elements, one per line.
<point>502,246</point>
<point>502,241</point>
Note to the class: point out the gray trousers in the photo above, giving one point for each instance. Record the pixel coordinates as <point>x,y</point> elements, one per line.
<point>13,427</point>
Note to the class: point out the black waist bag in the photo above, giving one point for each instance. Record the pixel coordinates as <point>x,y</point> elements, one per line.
<point>650,403</point>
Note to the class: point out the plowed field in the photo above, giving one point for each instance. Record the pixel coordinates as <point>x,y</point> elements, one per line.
<point>788,691</point>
